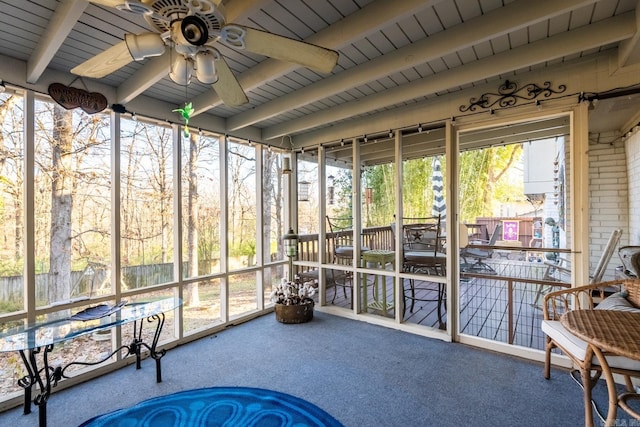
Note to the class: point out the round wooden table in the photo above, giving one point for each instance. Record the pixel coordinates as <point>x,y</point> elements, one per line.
<point>606,331</point>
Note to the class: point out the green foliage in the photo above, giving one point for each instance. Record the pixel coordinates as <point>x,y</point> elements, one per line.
<point>474,176</point>
<point>381,179</point>
<point>11,306</point>
<point>417,188</point>
<point>245,248</point>
<point>342,205</point>
<point>11,267</point>
<point>485,183</point>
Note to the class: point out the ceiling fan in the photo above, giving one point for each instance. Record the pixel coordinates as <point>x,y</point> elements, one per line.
<point>191,28</point>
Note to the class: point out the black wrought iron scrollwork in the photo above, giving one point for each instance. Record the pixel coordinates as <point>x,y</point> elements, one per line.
<point>509,94</point>
<point>41,379</point>
<point>134,348</point>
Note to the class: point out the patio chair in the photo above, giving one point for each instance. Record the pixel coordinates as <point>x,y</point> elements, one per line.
<point>588,297</point>
<point>630,257</point>
<point>422,252</point>
<point>342,240</point>
<point>560,270</point>
<point>480,254</point>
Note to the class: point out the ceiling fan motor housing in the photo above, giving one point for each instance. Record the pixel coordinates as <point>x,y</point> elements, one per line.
<point>193,30</point>
<point>201,19</point>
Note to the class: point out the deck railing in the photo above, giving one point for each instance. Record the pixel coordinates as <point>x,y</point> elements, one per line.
<point>381,237</point>
<point>309,246</point>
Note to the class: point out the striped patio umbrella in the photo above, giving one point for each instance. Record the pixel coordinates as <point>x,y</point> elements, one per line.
<point>439,207</point>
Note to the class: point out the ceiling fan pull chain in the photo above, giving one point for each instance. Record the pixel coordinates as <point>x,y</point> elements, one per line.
<point>234,36</point>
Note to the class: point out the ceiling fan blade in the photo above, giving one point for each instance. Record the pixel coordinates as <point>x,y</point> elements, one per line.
<point>134,47</point>
<point>112,59</point>
<point>227,87</point>
<point>280,47</point>
<point>108,3</point>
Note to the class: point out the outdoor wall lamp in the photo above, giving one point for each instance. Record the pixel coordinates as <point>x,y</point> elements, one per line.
<point>290,243</point>
<point>291,249</point>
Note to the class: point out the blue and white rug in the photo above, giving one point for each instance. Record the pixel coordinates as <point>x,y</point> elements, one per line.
<point>219,406</point>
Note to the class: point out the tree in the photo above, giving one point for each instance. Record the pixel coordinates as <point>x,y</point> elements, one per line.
<point>11,173</point>
<point>480,174</point>
<point>160,150</point>
<point>272,201</point>
<point>381,179</point>
<point>193,295</point>
<point>242,219</point>
<point>62,187</point>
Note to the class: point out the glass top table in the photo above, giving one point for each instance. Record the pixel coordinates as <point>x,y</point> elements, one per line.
<point>41,334</point>
<point>41,337</point>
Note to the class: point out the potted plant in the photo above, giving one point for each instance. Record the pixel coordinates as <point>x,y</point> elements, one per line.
<point>293,302</point>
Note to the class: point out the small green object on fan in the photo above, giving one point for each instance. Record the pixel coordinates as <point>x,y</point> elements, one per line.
<point>186,113</point>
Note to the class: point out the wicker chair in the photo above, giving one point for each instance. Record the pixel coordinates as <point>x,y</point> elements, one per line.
<point>584,298</point>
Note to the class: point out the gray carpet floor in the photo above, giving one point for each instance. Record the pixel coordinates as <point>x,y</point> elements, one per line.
<point>362,374</point>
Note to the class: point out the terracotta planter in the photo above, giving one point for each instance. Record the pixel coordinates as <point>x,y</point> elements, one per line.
<point>294,313</point>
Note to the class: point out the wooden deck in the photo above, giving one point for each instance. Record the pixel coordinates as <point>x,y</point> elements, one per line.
<point>504,307</point>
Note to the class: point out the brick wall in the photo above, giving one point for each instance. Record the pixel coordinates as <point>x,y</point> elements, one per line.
<point>632,148</point>
<point>608,198</point>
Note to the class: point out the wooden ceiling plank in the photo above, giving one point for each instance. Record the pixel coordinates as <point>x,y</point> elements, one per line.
<point>494,24</point>
<point>342,33</point>
<point>619,27</point>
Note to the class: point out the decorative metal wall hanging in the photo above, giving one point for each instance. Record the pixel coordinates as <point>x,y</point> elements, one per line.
<point>509,94</point>
<point>72,97</point>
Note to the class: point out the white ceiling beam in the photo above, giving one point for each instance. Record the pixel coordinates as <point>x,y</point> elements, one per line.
<point>629,50</point>
<point>354,27</point>
<point>60,25</point>
<point>499,22</point>
<point>436,110</point>
<point>584,38</point>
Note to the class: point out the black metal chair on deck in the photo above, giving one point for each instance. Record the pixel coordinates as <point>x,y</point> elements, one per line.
<point>422,252</point>
<point>342,242</point>
<point>480,254</point>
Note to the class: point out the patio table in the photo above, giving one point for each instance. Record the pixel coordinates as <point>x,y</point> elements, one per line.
<point>30,340</point>
<point>379,257</point>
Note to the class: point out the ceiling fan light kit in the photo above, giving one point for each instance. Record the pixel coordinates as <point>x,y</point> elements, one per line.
<point>190,28</point>
<point>206,67</point>
<point>181,69</point>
